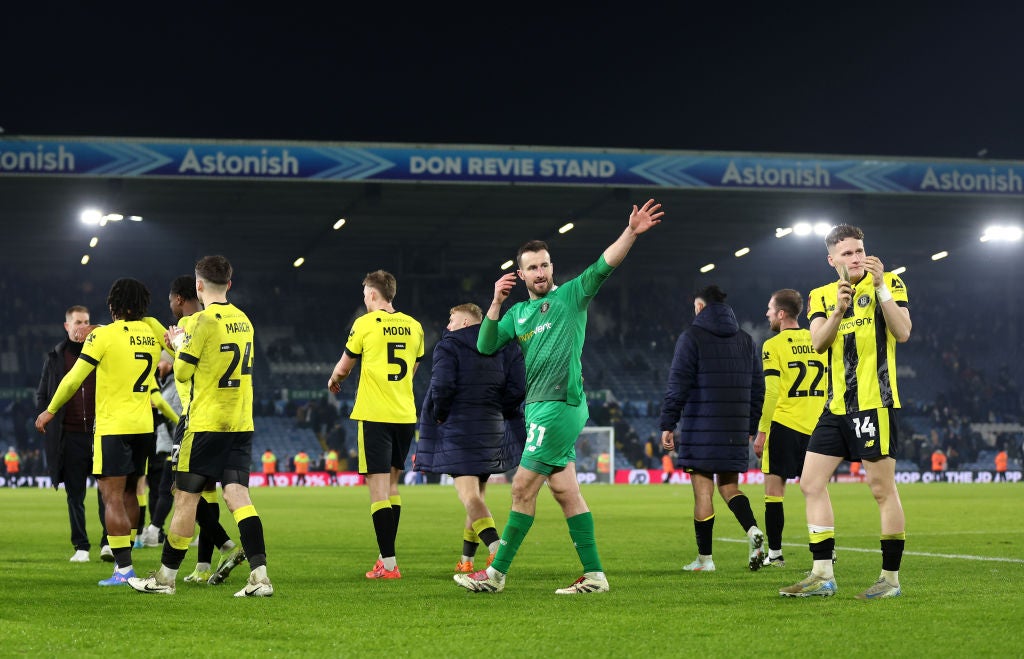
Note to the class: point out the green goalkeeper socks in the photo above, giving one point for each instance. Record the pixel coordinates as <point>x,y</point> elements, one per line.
<point>512,536</point>
<point>581,530</point>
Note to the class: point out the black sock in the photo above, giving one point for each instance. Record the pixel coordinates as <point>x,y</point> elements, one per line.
<point>740,506</point>
<point>469,548</point>
<point>250,531</point>
<point>384,528</point>
<point>489,535</point>
<point>774,522</point>
<point>208,517</point>
<point>892,554</point>
<point>703,529</point>
<point>172,557</point>
<point>822,551</point>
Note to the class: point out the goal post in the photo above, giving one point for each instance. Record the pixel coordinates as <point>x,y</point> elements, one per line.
<point>595,455</point>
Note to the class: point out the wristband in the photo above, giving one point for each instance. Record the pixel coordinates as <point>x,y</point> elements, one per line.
<point>177,341</point>
<point>883,294</point>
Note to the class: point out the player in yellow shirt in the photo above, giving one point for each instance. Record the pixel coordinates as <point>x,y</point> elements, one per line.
<point>216,359</point>
<point>794,378</point>
<point>390,345</point>
<point>857,321</point>
<point>124,355</point>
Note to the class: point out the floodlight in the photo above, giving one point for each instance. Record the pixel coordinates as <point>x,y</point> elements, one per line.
<point>743,251</point>
<point>708,268</point>
<point>803,228</point>
<point>298,262</point>
<point>91,216</point>
<point>340,223</point>
<point>566,228</point>
<point>939,255</point>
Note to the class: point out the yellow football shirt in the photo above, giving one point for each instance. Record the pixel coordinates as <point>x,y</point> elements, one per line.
<point>795,381</point>
<point>862,359</point>
<point>388,345</point>
<point>124,354</point>
<point>216,360</point>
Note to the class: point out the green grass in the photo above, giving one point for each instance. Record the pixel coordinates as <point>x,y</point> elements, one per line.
<point>320,543</point>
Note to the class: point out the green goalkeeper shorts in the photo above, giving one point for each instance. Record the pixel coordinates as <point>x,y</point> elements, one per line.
<point>551,431</point>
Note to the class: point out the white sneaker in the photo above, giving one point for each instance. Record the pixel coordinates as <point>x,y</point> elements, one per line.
<point>256,587</point>
<point>80,556</point>
<point>755,542</point>
<point>150,536</point>
<point>106,554</point>
<point>699,565</point>
<point>480,582</point>
<point>585,584</point>
<point>152,584</point>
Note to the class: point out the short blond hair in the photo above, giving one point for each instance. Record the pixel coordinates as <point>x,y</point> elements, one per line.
<point>470,310</point>
<point>383,282</point>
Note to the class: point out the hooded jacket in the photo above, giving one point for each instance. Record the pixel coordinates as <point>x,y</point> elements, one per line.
<point>716,384</point>
<point>471,395</point>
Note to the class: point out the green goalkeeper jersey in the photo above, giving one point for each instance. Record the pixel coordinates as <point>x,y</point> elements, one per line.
<point>550,331</point>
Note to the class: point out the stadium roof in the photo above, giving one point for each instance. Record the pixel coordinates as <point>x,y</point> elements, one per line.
<point>452,230</point>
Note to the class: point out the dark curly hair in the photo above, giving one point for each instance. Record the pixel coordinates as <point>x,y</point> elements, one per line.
<point>128,299</point>
<point>185,287</point>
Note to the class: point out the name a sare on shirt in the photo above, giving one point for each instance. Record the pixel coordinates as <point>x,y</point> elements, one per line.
<point>135,340</point>
<point>264,164</point>
<point>517,167</point>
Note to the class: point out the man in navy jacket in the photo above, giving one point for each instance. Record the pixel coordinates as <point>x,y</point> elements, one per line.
<point>716,384</point>
<point>471,423</point>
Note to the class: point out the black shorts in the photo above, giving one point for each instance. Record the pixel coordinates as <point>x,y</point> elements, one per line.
<point>867,435</point>
<point>210,454</point>
<point>122,455</point>
<point>784,451</point>
<point>480,477</point>
<point>383,446</point>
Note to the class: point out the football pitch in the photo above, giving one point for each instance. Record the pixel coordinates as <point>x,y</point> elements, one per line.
<point>962,577</point>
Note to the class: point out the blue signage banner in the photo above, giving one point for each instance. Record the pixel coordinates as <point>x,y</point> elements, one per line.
<point>105,157</point>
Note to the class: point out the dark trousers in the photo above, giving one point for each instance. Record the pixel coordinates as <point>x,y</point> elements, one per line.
<point>165,498</point>
<point>75,472</point>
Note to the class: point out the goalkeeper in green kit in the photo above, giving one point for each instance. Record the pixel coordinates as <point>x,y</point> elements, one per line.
<point>550,328</point>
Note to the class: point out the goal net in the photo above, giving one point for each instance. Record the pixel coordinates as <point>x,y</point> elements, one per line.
<point>595,455</point>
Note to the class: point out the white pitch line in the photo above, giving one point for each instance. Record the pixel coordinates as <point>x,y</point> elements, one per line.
<point>963,557</point>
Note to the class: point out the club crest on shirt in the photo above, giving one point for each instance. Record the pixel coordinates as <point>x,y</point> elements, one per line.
<point>544,307</point>
<point>863,300</point>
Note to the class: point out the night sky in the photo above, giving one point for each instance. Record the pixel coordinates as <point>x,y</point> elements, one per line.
<point>927,81</point>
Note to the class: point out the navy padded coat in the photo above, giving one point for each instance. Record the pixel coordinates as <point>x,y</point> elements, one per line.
<point>716,384</point>
<point>471,421</point>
